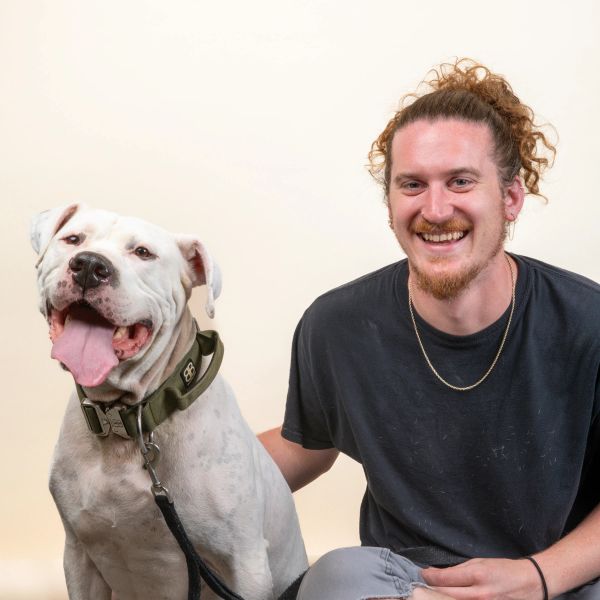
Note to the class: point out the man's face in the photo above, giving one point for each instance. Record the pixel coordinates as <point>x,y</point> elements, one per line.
<point>446,203</point>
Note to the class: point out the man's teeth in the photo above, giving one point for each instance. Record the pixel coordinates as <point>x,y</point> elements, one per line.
<point>444,237</point>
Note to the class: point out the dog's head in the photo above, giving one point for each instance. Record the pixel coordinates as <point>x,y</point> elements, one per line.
<point>112,287</point>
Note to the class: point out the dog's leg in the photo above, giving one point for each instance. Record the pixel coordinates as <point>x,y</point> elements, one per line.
<point>252,576</point>
<point>84,581</point>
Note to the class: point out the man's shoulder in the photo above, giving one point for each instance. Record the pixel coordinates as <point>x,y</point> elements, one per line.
<point>560,278</point>
<point>369,291</point>
<point>566,290</point>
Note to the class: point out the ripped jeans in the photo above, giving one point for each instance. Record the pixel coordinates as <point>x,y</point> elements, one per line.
<point>362,573</point>
<point>359,573</point>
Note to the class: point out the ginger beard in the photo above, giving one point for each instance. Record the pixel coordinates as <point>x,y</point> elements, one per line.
<point>449,284</point>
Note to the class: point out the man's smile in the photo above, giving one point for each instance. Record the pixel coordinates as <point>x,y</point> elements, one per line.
<point>444,237</point>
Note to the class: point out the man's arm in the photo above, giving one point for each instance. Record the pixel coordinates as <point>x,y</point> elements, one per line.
<point>575,559</point>
<point>567,564</point>
<point>298,465</point>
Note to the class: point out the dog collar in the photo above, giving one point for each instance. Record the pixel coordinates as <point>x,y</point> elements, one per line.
<point>176,393</point>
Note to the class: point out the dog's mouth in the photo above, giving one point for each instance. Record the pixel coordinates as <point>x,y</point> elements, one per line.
<point>89,345</point>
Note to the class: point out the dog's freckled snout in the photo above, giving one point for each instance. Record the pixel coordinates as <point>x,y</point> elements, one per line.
<point>89,270</point>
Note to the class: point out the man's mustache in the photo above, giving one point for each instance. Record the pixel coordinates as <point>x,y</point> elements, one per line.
<point>449,226</point>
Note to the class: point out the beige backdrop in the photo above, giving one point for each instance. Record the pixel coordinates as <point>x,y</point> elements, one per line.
<point>247,123</point>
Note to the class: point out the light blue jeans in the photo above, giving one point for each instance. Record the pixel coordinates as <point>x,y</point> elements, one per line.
<point>361,573</point>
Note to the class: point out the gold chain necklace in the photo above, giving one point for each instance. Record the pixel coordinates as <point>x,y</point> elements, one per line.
<point>510,316</point>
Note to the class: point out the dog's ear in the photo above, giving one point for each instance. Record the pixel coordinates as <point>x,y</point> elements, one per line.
<point>45,225</point>
<point>202,268</point>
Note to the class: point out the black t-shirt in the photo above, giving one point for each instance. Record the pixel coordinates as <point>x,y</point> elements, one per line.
<point>503,470</point>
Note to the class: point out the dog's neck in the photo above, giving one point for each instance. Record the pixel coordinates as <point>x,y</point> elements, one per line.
<point>131,381</point>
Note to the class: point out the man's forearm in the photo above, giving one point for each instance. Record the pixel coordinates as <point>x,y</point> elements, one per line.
<point>575,559</point>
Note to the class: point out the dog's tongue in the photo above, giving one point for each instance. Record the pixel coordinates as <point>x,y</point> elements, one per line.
<point>85,347</point>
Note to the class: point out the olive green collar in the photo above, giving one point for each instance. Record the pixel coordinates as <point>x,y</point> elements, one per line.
<point>176,393</point>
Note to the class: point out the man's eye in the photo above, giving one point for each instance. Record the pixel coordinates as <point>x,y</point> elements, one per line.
<point>73,240</point>
<point>411,186</point>
<point>142,252</point>
<point>461,182</point>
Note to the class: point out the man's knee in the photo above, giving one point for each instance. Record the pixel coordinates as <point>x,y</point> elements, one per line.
<point>360,573</point>
<point>339,574</point>
<point>340,567</point>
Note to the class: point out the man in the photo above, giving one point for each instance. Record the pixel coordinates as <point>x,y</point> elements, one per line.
<point>465,380</point>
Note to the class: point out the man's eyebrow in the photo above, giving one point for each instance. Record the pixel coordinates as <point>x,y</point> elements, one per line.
<point>465,171</point>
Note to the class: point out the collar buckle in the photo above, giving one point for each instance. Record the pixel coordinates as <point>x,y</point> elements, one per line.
<point>95,418</point>
<point>117,424</point>
<point>102,423</point>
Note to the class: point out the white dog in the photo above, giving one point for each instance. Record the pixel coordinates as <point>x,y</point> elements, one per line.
<point>114,291</point>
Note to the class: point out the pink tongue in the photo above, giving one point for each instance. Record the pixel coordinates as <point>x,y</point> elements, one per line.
<point>85,347</point>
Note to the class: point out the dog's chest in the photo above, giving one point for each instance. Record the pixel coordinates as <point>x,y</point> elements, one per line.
<point>114,507</point>
<point>112,512</point>
<point>107,501</point>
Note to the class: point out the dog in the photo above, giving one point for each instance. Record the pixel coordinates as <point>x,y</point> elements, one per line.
<point>114,291</point>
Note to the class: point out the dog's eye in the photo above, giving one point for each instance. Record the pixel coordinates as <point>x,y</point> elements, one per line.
<point>143,252</point>
<point>73,240</point>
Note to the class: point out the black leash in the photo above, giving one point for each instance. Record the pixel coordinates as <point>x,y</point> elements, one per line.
<point>197,568</point>
<point>177,393</point>
<point>143,418</point>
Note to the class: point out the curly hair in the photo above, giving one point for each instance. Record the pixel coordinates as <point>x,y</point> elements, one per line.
<point>469,91</point>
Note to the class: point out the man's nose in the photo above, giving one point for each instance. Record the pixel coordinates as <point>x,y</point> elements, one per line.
<point>437,204</point>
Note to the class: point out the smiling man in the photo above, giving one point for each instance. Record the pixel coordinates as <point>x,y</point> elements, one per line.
<point>446,205</point>
<point>464,380</point>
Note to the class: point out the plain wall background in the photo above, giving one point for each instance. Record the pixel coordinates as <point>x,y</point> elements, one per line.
<point>248,124</point>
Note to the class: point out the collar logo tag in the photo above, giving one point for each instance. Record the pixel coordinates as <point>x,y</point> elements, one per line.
<point>188,373</point>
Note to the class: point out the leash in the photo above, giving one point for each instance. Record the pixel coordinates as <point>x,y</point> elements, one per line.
<point>197,568</point>
<point>147,416</point>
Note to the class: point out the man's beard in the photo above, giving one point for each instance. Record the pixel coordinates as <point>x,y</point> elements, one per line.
<point>447,286</point>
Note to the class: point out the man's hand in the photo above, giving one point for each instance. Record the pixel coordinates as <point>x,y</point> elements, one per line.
<point>487,579</point>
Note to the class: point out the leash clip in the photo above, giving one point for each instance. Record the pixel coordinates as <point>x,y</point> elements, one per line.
<point>150,453</point>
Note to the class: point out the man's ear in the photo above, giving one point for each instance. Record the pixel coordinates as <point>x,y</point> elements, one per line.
<point>202,269</point>
<point>514,196</point>
<point>45,225</point>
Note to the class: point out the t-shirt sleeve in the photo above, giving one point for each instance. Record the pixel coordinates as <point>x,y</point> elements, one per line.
<point>305,422</point>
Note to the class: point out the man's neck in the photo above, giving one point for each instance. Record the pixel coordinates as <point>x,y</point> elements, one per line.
<point>482,303</point>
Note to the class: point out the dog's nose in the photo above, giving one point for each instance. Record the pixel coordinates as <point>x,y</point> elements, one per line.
<point>90,269</point>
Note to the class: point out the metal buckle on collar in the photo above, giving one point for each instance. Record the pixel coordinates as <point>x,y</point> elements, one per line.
<point>102,423</point>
